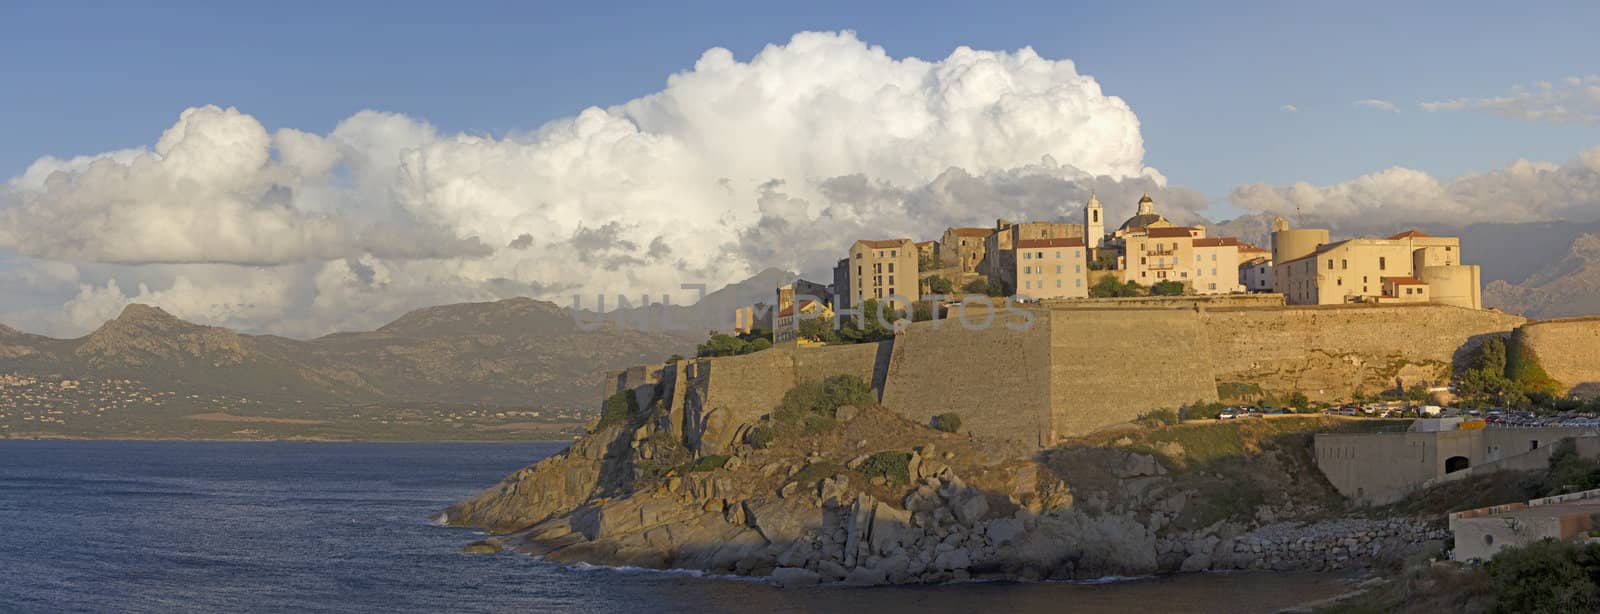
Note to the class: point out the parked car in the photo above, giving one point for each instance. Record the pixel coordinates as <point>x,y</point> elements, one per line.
<point>1227,414</point>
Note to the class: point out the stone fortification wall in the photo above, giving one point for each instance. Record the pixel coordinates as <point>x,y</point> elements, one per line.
<point>1568,350</point>
<point>1220,300</point>
<point>1329,352</point>
<point>1109,366</point>
<point>729,392</point>
<point>997,379</point>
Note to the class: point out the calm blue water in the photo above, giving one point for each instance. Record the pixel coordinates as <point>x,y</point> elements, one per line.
<point>323,527</point>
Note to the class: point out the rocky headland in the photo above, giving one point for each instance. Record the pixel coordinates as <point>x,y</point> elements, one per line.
<point>870,498</point>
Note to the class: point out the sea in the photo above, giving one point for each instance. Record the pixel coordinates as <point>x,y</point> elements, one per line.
<point>171,526</point>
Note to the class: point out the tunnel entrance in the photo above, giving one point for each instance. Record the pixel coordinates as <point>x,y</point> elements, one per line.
<point>1456,463</point>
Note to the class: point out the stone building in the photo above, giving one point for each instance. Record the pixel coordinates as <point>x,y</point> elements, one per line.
<point>1051,268</point>
<point>1308,270</point>
<point>841,285</point>
<point>928,251</point>
<point>963,248</point>
<point>1483,532</point>
<point>1000,247</point>
<point>1255,268</point>
<point>1380,468</point>
<point>880,269</point>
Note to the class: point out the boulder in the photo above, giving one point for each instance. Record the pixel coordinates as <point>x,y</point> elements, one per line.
<point>1199,561</point>
<point>951,560</point>
<point>970,509</point>
<point>866,576</point>
<point>483,546</point>
<point>790,577</point>
<point>846,413</point>
<point>1004,531</point>
<point>887,525</point>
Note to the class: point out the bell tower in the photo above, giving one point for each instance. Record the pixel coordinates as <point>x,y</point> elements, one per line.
<point>1094,223</point>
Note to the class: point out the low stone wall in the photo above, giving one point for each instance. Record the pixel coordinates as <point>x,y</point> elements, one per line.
<point>1325,546</point>
<point>1175,302</point>
<point>1568,350</point>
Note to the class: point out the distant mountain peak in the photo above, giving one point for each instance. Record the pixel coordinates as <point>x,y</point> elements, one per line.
<point>140,312</point>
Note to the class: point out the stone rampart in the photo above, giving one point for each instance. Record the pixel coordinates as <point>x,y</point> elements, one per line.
<point>997,379</point>
<point>1330,352</point>
<point>1071,371</point>
<point>1568,350</point>
<point>1109,366</point>
<point>1176,302</point>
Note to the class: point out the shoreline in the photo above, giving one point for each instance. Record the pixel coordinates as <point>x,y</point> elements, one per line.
<point>273,440</point>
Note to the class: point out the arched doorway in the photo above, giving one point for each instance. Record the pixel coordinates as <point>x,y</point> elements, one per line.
<point>1456,463</point>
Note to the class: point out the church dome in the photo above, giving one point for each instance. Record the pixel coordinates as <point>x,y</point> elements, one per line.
<point>1147,216</point>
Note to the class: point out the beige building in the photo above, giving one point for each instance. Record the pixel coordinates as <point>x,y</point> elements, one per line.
<point>928,250</point>
<point>1052,268</point>
<point>963,248</point>
<point>1145,219</point>
<point>1216,266</point>
<point>1255,268</point>
<point>1484,532</point>
<point>1002,261</point>
<point>1154,255</point>
<point>884,268</point>
<point>1381,468</point>
<point>1308,270</point>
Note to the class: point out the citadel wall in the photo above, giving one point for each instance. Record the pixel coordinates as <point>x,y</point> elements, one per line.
<point>1568,350</point>
<point>1329,352</point>
<point>997,379</point>
<point>1109,366</point>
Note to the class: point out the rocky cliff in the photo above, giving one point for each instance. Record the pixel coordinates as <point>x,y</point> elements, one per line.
<point>828,507</point>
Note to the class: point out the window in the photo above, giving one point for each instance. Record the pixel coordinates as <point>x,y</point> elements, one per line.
<point>1383,263</point>
<point>1077,268</point>
<point>1058,283</point>
<point>1039,255</point>
<point>1080,282</point>
<point>1344,264</point>
<point>1058,254</point>
<point>1213,286</point>
<point>894,253</point>
<point>1027,270</point>
<point>1058,269</point>
<point>1330,264</point>
<point>891,280</point>
<point>1340,282</point>
<point>1027,256</point>
<point>1027,285</point>
<point>891,267</point>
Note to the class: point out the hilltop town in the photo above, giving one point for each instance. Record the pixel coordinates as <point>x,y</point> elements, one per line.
<point>1075,433</point>
<point>1145,255</point>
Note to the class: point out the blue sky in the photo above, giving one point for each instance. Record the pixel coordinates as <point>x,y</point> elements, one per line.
<point>1206,82</point>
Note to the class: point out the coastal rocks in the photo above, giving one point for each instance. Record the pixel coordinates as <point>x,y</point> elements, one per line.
<point>793,577</point>
<point>483,546</point>
<point>1326,546</point>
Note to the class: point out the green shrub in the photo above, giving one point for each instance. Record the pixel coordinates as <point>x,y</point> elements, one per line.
<point>940,285</point>
<point>618,409</point>
<point>1201,410</point>
<point>1167,288</point>
<point>976,286</point>
<point>1158,417</point>
<point>760,437</point>
<point>810,406</point>
<point>708,463</point>
<point>1545,576</point>
<point>947,422</point>
<point>816,471</point>
<point>1522,368</point>
<point>758,345</point>
<point>895,466</point>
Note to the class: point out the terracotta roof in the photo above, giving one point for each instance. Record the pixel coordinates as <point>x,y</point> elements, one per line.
<point>1250,247</point>
<point>1061,242</point>
<point>1170,232</point>
<point>972,232</point>
<point>1217,242</point>
<point>1405,281</point>
<point>922,243</point>
<point>879,244</point>
<point>789,311</point>
<point>1411,234</point>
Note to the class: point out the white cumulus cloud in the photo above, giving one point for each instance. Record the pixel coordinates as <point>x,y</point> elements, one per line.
<point>781,159</point>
